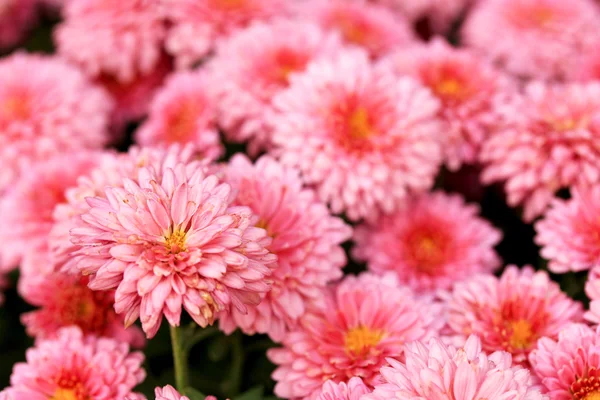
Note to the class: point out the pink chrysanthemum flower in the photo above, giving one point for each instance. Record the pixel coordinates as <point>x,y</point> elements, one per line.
<point>425,247</point>
<point>74,366</point>
<point>65,300</point>
<point>168,238</point>
<point>306,240</point>
<point>436,371</point>
<point>353,390</point>
<point>26,208</point>
<point>183,111</point>
<point>569,367</point>
<point>16,17</point>
<point>169,393</point>
<point>196,25</point>
<point>512,312</point>
<point>119,38</point>
<point>256,63</point>
<point>46,107</point>
<point>361,322</point>
<point>588,66</point>
<point>592,289</point>
<point>358,23</point>
<point>568,233</point>
<point>550,140</point>
<point>466,87</point>
<point>539,37</point>
<point>360,135</point>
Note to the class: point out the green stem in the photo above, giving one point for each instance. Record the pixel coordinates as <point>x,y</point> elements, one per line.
<point>179,359</point>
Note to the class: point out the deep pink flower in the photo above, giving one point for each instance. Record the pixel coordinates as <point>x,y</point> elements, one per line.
<point>74,366</point>
<point>196,25</point>
<point>550,140</point>
<point>540,38</point>
<point>119,38</point>
<point>568,233</point>
<point>183,111</point>
<point>569,367</point>
<point>46,107</point>
<point>353,390</point>
<point>512,312</point>
<point>256,63</point>
<point>16,17</point>
<point>375,29</point>
<point>425,246</point>
<point>466,86</point>
<point>361,322</point>
<point>306,240</point>
<point>360,135</point>
<point>439,372</point>
<point>168,238</point>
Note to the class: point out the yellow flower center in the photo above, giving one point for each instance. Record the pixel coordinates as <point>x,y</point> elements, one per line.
<point>592,396</point>
<point>64,394</point>
<point>360,339</point>
<point>428,251</point>
<point>175,241</point>
<point>229,4</point>
<point>522,335</point>
<point>359,125</point>
<point>17,107</point>
<point>182,123</point>
<point>448,87</point>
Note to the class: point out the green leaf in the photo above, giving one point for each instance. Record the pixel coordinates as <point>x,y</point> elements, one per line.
<point>256,393</point>
<point>193,394</point>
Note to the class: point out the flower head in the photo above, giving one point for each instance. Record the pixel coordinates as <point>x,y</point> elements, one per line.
<point>588,66</point>
<point>306,240</point>
<point>360,135</point>
<point>352,390</point>
<point>253,65</point>
<point>361,322</point>
<point>168,393</point>
<point>37,94</point>
<point>436,371</point>
<point>16,17</point>
<point>512,312</point>
<point>550,140</point>
<point>74,366</point>
<point>422,243</point>
<point>183,112</point>
<point>539,37</point>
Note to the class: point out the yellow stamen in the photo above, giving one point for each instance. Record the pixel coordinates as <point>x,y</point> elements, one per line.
<point>360,127</point>
<point>522,335</point>
<point>592,396</point>
<point>360,339</point>
<point>175,241</point>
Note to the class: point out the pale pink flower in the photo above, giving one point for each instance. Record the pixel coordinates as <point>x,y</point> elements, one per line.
<point>540,38</point>
<point>197,25</point>
<point>16,18</point>
<point>440,372</point>
<point>353,390</point>
<point>512,312</point>
<point>306,240</point>
<point>569,367</point>
<point>363,137</point>
<point>592,290</point>
<point>423,244</point>
<point>46,107</point>
<point>169,393</point>
<point>26,208</point>
<point>374,28</point>
<point>361,322</point>
<point>466,86</point>
<point>550,140</point>
<point>74,366</point>
<point>168,238</point>
<point>183,111</point>
<point>568,233</point>
<point>65,300</point>
<point>119,38</point>
<point>256,63</point>
<point>588,66</point>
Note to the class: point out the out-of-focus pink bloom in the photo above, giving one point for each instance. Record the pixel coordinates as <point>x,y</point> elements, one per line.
<point>353,390</point>
<point>592,289</point>
<point>361,322</point>
<point>16,17</point>
<point>26,208</point>
<point>433,241</point>
<point>540,38</point>
<point>568,233</point>
<point>65,300</point>
<point>306,240</point>
<point>588,66</point>
<point>74,366</point>
<point>466,86</point>
<point>197,25</point>
<point>550,140</point>
<point>363,137</point>
<point>256,63</point>
<point>512,312</point>
<point>169,393</point>
<point>358,23</point>
<point>436,371</point>
<point>46,107</point>
<point>168,238</point>
<point>568,367</point>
